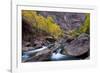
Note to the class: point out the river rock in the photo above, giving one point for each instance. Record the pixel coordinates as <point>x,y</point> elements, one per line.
<point>78,46</point>
<point>40,56</point>
<point>50,39</point>
<point>26,48</point>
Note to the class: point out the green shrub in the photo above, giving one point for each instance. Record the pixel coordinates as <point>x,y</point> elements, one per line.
<point>85,28</point>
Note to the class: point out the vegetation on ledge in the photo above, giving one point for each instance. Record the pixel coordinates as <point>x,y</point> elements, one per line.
<point>85,28</point>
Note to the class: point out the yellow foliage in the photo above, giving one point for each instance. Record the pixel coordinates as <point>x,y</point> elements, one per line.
<point>42,23</point>
<point>28,16</point>
<point>86,25</point>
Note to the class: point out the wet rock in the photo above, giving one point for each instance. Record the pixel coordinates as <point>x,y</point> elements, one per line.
<point>26,48</point>
<point>84,56</point>
<point>37,44</point>
<point>55,46</point>
<point>27,44</point>
<point>43,55</point>
<point>78,46</point>
<point>50,39</point>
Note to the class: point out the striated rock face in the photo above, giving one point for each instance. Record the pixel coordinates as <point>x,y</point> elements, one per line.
<point>40,56</point>
<point>67,21</point>
<point>78,46</point>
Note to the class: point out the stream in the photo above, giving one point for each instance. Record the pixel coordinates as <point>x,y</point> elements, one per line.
<point>56,56</point>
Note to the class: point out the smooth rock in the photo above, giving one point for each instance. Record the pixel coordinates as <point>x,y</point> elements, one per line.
<point>26,48</point>
<point>78,46</point>
<point>40,56</point>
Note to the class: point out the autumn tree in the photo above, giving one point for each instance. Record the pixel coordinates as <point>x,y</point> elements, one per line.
<point>46,24</point>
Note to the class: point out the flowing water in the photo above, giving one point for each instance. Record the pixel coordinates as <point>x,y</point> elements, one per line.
<point>56,56</point>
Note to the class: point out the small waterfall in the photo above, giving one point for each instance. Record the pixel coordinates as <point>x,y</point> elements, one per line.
<point>58,55</point>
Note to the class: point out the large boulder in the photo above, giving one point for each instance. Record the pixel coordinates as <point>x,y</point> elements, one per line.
<point>78,46</point>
